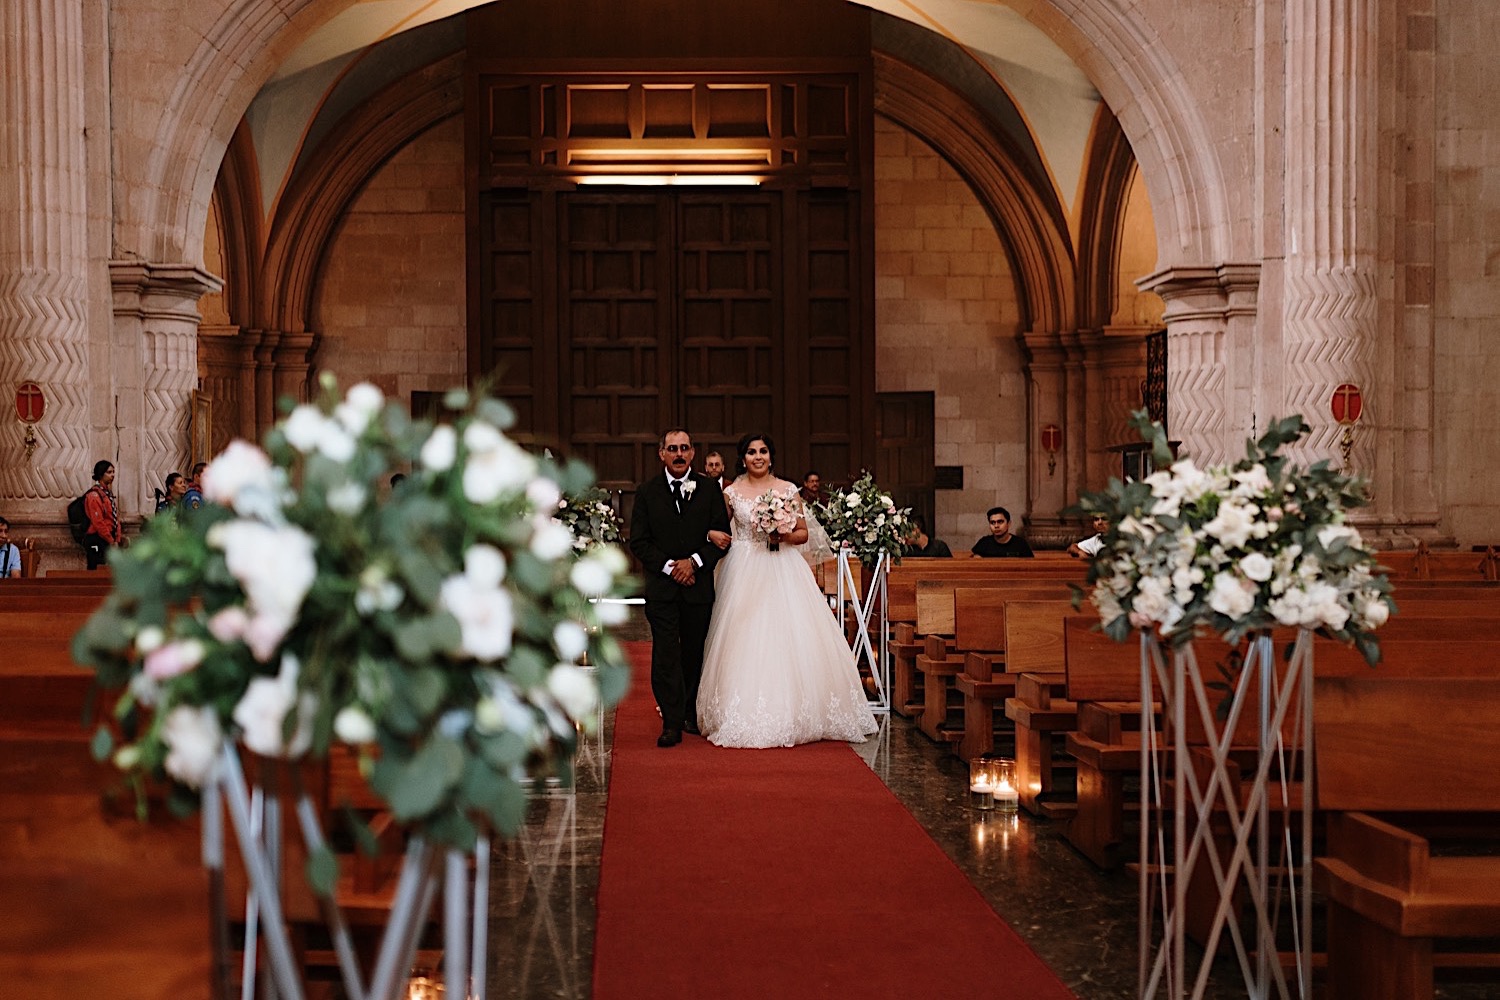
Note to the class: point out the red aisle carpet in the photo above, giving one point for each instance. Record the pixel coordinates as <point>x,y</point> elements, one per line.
<point>782,874</point>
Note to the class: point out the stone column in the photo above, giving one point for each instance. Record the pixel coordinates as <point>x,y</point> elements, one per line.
<point>1329,312</point>
<point>1213,399</point>
<point>1047,403</point>
<point>44,251</point>
<point>156,306</point>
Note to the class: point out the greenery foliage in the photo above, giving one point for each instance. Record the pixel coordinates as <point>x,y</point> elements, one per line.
<point>436,631</point>
<point>1237,549</point>
<point>865,519</point>
<point>590,517</point>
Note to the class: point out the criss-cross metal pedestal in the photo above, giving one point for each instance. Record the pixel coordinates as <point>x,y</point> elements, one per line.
<point>1226,832</point>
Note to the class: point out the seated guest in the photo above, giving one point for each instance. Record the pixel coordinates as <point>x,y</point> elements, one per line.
<point>919,543</point>
<point>812,488</point>
<point>10,556</point>
<point>713,468</point>
<point>1000,543</point>
<point>1091,546</point>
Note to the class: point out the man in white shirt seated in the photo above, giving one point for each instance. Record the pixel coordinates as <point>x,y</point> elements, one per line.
<point>1091,546</point>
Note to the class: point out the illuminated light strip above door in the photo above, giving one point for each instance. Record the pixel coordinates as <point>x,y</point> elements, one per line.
<point>673,180</point>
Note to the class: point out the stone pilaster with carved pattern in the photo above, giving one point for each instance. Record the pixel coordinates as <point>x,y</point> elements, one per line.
<point>1210,318</point>
<point>1331,195</point>
<point>44,250</point>
<point>156,306</point>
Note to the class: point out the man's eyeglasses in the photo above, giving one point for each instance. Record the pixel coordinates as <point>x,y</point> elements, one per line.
<point>674,449</point>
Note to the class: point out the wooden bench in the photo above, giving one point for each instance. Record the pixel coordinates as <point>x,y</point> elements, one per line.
<point>1003,635</point>
<point>943,660</point>
<point>1401,748</point>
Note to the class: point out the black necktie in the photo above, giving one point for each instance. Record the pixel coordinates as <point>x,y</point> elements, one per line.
<point>677,494</point>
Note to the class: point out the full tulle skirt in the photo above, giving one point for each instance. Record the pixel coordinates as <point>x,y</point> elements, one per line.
<point>776,669</point>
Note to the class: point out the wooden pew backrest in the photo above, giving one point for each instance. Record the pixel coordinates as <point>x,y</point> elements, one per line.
<point>1405,744</point>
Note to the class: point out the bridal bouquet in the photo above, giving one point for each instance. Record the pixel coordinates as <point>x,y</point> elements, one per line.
<point>774,514</point>
<point>1237,549</point>
<point>435,631</point>
<point>590,518</point>
<point>865,519</point>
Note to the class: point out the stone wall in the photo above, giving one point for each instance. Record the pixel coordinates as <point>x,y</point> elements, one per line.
<point>390,306</point>
<point>946,318</point>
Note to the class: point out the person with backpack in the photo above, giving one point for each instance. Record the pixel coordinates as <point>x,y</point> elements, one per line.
<point>103,515</point>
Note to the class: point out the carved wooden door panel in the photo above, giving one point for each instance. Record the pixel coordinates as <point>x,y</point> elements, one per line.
<point>904,450</point>
<point>617,337</point>
<point>729,278</point>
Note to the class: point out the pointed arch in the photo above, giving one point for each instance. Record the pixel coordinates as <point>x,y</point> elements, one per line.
<point>1026,214</point>
<point>309,212</point>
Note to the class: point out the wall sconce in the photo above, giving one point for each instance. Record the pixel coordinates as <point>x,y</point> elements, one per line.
<point>1052,438</point>
<point>1346,404</point>
<point>31,403</point>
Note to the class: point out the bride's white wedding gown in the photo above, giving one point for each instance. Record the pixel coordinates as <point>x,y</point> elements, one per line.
<point>776,668</point>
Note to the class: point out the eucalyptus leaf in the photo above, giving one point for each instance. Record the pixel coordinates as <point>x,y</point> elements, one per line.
<point>103,744</point>
<point>427,779</point>
<point>322,870</point>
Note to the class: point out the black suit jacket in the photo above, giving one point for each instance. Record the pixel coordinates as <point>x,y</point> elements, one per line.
<point>659,533</point>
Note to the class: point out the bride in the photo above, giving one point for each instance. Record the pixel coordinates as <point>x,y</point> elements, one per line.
<point>776,668</point>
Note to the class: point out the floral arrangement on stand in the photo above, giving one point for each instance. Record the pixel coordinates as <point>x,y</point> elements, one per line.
<point>864,519</point>
<point>775,515</point>
<point>435,631</point>
<point>1237,549</point>
<point>590,517</point>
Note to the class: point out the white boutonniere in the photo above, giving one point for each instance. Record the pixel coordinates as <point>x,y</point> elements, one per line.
<point>688,486</point>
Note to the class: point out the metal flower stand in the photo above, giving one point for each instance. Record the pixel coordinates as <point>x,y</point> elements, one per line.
<point>255,811</point>
<point>865,612</point>
<point>1196,825</point>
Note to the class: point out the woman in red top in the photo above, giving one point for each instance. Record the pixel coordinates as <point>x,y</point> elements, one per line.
<point>104,516</point>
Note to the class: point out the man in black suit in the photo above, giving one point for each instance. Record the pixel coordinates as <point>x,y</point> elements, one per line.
<point>669,527</point>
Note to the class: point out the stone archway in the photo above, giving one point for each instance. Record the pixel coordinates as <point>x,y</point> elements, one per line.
<point>163,217</point>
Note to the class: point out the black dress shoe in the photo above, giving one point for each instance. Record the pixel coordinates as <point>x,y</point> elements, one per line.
<point>669,738</point>
<point>691,728</point>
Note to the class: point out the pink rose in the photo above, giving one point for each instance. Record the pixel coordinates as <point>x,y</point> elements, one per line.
<point>173,658</point>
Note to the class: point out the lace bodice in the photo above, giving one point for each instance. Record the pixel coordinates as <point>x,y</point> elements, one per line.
<point>742,509</point>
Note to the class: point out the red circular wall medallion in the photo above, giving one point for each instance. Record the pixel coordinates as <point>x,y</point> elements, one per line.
<point>30,403</point>
<point>1347,403</point>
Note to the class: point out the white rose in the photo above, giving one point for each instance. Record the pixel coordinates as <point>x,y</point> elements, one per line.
<point>193,739</point>
<point>274,566</point>
<point>486,618</point>
<point>262,711</point>
<point>149,638</point>
<point>1231,596</point>
<point>571,639</point>
<point>1257,567</point>
<point>544,495</point>
<point>591,576</point>
<point>574,689</point>
<point>550,540</point>
<point>1252,481</point>
<point>346,499</point>
<point>1374,612</point>
<point>689,487</point>
<point>1333,532</point>
<point>239,467</point>
<point>484,565</point>
<point>303,428</point>
<point>497,465</point>
<point>440,449</point>
<point>354,726</point>
<point>1232,526</point>
<point>360,405</point>
<point>335,443</point>
<point>611,612</point>
<point>852,500</point>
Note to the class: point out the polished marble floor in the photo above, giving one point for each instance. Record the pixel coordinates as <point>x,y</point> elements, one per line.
<point>1082,922</point>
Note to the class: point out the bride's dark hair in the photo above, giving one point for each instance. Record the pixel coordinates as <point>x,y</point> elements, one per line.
<point>744,446</point>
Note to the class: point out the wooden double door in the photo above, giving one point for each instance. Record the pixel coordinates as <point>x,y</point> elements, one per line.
<point>609,315</point>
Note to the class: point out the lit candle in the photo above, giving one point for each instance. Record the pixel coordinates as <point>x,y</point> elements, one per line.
<point>1005,795</point>
<point>982,795</point>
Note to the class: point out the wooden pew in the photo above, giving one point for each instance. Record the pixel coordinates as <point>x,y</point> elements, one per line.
<point>1003,634</point>
<point>1402,747</point>
<point>1106,676</point>
<point>942,661</point>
